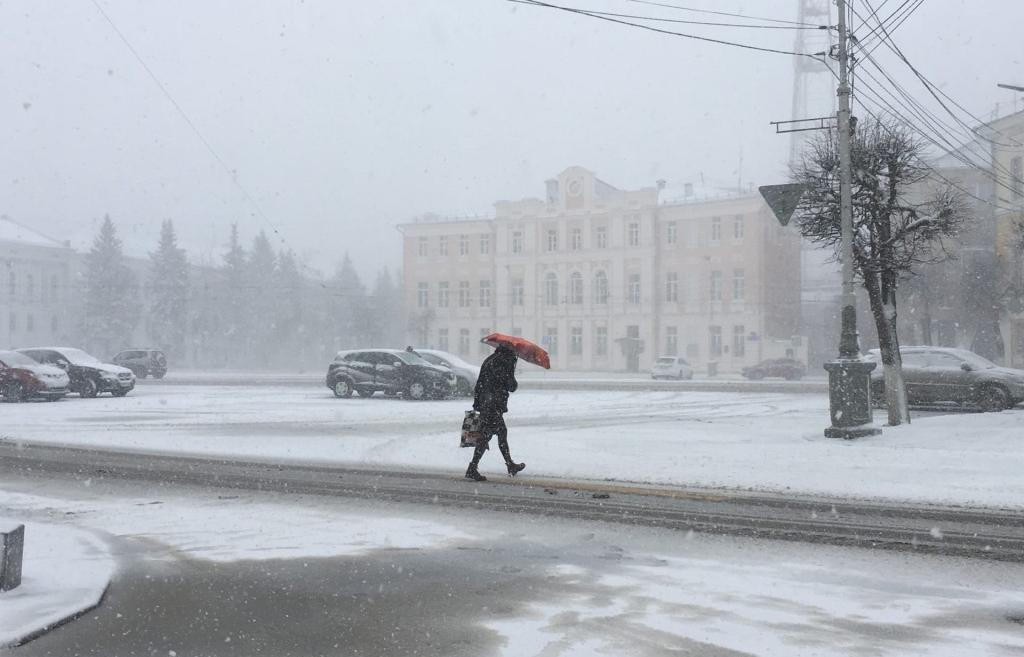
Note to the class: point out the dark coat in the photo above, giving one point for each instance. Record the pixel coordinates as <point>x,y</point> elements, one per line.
<point>496,381</point>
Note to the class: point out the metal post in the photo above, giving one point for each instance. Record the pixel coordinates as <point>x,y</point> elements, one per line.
<point>849,376</point>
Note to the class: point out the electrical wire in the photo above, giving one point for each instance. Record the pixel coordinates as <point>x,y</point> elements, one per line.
<point>189,122</point>
<point>652,3</point>
<point>704,23</point>
<point>582,12</point>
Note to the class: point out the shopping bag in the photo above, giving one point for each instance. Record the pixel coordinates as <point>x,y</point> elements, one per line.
<point>470,429</point>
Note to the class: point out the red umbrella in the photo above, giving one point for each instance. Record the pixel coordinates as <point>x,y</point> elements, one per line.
<point>528,351</point>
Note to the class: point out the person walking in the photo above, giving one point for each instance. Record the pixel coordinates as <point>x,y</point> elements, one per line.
<point>496,381</point>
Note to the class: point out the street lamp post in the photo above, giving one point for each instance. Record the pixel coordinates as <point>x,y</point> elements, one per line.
<point>849,382</point>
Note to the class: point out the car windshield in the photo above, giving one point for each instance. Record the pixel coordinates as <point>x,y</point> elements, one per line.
<point>79,357</point>
<point>974,359</point>
<point>411,359</point>
<point>15,359</point>
<point>666,361</point>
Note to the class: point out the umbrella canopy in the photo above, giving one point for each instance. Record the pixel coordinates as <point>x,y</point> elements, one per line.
<point>528,351</point>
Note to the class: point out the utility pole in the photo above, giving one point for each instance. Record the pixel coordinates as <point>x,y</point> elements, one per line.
<point>848,376</point>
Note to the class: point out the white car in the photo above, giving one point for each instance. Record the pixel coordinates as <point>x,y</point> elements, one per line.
<point>671,367</point>
<point>466,373</point>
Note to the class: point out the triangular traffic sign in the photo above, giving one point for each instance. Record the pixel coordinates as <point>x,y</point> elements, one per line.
<point>782,199</point>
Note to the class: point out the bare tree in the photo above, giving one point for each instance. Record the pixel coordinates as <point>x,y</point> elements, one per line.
<point>894,232</point>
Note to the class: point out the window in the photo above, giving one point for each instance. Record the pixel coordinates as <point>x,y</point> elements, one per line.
<point>715,340</point>
<point>463,294</point>
<point>601,341</point>
<point>634,233</point>
<point>1017,172</point>
<point>30,323</point>
<point>672,287</point>
<point>601,237</point>
<point>485,244</point>
<point>576,341</point>
<point>517,292</point>
<point>423,247</point>
<point>551,289</point>
<point>671,236</point>
<point>442,294</point>
<point>739,340</point>
<point>30,286</point>
<point>53,287</point>
<point>463,245</point>
<point>633,289</point>
<point>442,245</point>
<point>552,239</point>
<point>671,341</point>
<point>485,294</point>
<point>737,227</point>
<point>551,340</point>
<point>738,285</point>
<point>517,241</point>
<point>442,339</point>
<point>576,288</point>
<point>716,286</point>
<point>576,239</point>
<point>422,295</point>
<point>484,348</point>
<point>716,229</point>
<point>601,288</point>
<point>12,284</point>
<point>463,342</point>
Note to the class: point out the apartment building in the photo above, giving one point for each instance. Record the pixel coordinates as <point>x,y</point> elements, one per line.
<point>609,279</point>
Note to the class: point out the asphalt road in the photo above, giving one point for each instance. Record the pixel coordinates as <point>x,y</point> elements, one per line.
<point>982,534</point>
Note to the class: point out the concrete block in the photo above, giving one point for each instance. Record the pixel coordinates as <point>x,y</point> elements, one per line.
<point>12,548</point>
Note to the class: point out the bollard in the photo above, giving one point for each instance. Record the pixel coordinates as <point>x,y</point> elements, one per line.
<point>12,546</point>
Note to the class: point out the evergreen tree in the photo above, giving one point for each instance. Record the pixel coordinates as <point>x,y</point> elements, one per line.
<point>111,294</point>
<point>291,333</point>
<point>349,304</point>
<point>169,292</point>
<point>234,301</point>
<point>264,305</point>
<point>386,309</point>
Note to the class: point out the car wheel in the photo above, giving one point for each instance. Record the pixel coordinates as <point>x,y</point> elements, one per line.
<point>390,393</point>
<point>992,399</point>
<point>88,389</point>
<point>365,393</point>
<point>119,393</point>
<point>416,390</point>
<point>342,389</point>
<point>14,392</point>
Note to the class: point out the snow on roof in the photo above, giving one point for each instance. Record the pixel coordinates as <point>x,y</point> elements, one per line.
<point>13,231</point>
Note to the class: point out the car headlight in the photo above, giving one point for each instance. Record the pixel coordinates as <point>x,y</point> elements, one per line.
<point>107,376</point>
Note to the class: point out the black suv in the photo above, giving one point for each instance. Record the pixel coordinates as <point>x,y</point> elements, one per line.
<point>143,362</point>
<point>391,371</point>
<point>89,376</point>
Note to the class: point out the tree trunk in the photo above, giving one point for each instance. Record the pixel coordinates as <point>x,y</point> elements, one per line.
<point>883,308</point>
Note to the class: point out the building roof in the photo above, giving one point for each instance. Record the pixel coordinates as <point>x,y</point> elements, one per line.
<point>13,231</point>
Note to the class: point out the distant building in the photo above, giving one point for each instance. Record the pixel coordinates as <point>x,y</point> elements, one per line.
<point>1007,144</point>
<point>36,286</point>
<point>608,279</point>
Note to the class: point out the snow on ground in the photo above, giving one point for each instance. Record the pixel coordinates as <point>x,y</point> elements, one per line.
<point>608,591</point>
<point>763,441</point>
<point>65,571</point>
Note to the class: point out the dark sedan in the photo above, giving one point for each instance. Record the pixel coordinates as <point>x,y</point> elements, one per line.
<point>937,375</point>
<point>787,368</point>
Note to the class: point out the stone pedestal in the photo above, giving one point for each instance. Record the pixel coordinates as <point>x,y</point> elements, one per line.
<point>849,397</point>
<point>12,545</point>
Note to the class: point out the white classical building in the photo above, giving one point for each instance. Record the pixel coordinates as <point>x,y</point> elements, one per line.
<point>608,279</point>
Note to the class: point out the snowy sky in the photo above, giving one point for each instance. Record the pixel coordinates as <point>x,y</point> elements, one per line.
<point>342,119</point>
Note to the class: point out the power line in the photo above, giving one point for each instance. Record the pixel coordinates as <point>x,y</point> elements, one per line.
<point>719,13</point>
<point>188,121</point>
<point>705,23</point>
<point>582,12</point>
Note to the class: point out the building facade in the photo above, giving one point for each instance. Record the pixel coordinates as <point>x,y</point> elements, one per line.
<point>1008,166</point>
<point>608,279</point>
<point>35,287</point>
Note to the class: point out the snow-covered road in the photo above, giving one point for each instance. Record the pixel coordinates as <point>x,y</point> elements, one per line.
<point>762,441</point>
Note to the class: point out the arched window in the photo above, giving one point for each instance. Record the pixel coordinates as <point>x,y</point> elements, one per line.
<point>576,288</point>
<point>551,289</point>
<point>601,287</point>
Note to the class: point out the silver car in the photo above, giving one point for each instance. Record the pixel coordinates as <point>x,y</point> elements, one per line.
<point>671,367</point>
<point>465,373</point>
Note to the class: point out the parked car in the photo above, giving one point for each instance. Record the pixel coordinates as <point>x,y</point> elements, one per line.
<point>944,375</point>
<point>88,375</point>
<point>143,362</point>
<point>671,367</point>
<point>787,368</point>
<point>466,374</point>
<point>391,371</point>
<point>22,378</point>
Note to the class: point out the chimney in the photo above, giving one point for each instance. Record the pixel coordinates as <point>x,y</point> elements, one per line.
<point>552,186</point>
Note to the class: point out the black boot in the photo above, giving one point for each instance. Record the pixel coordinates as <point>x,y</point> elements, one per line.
<point>514,468</point>
<point>478,453</point>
